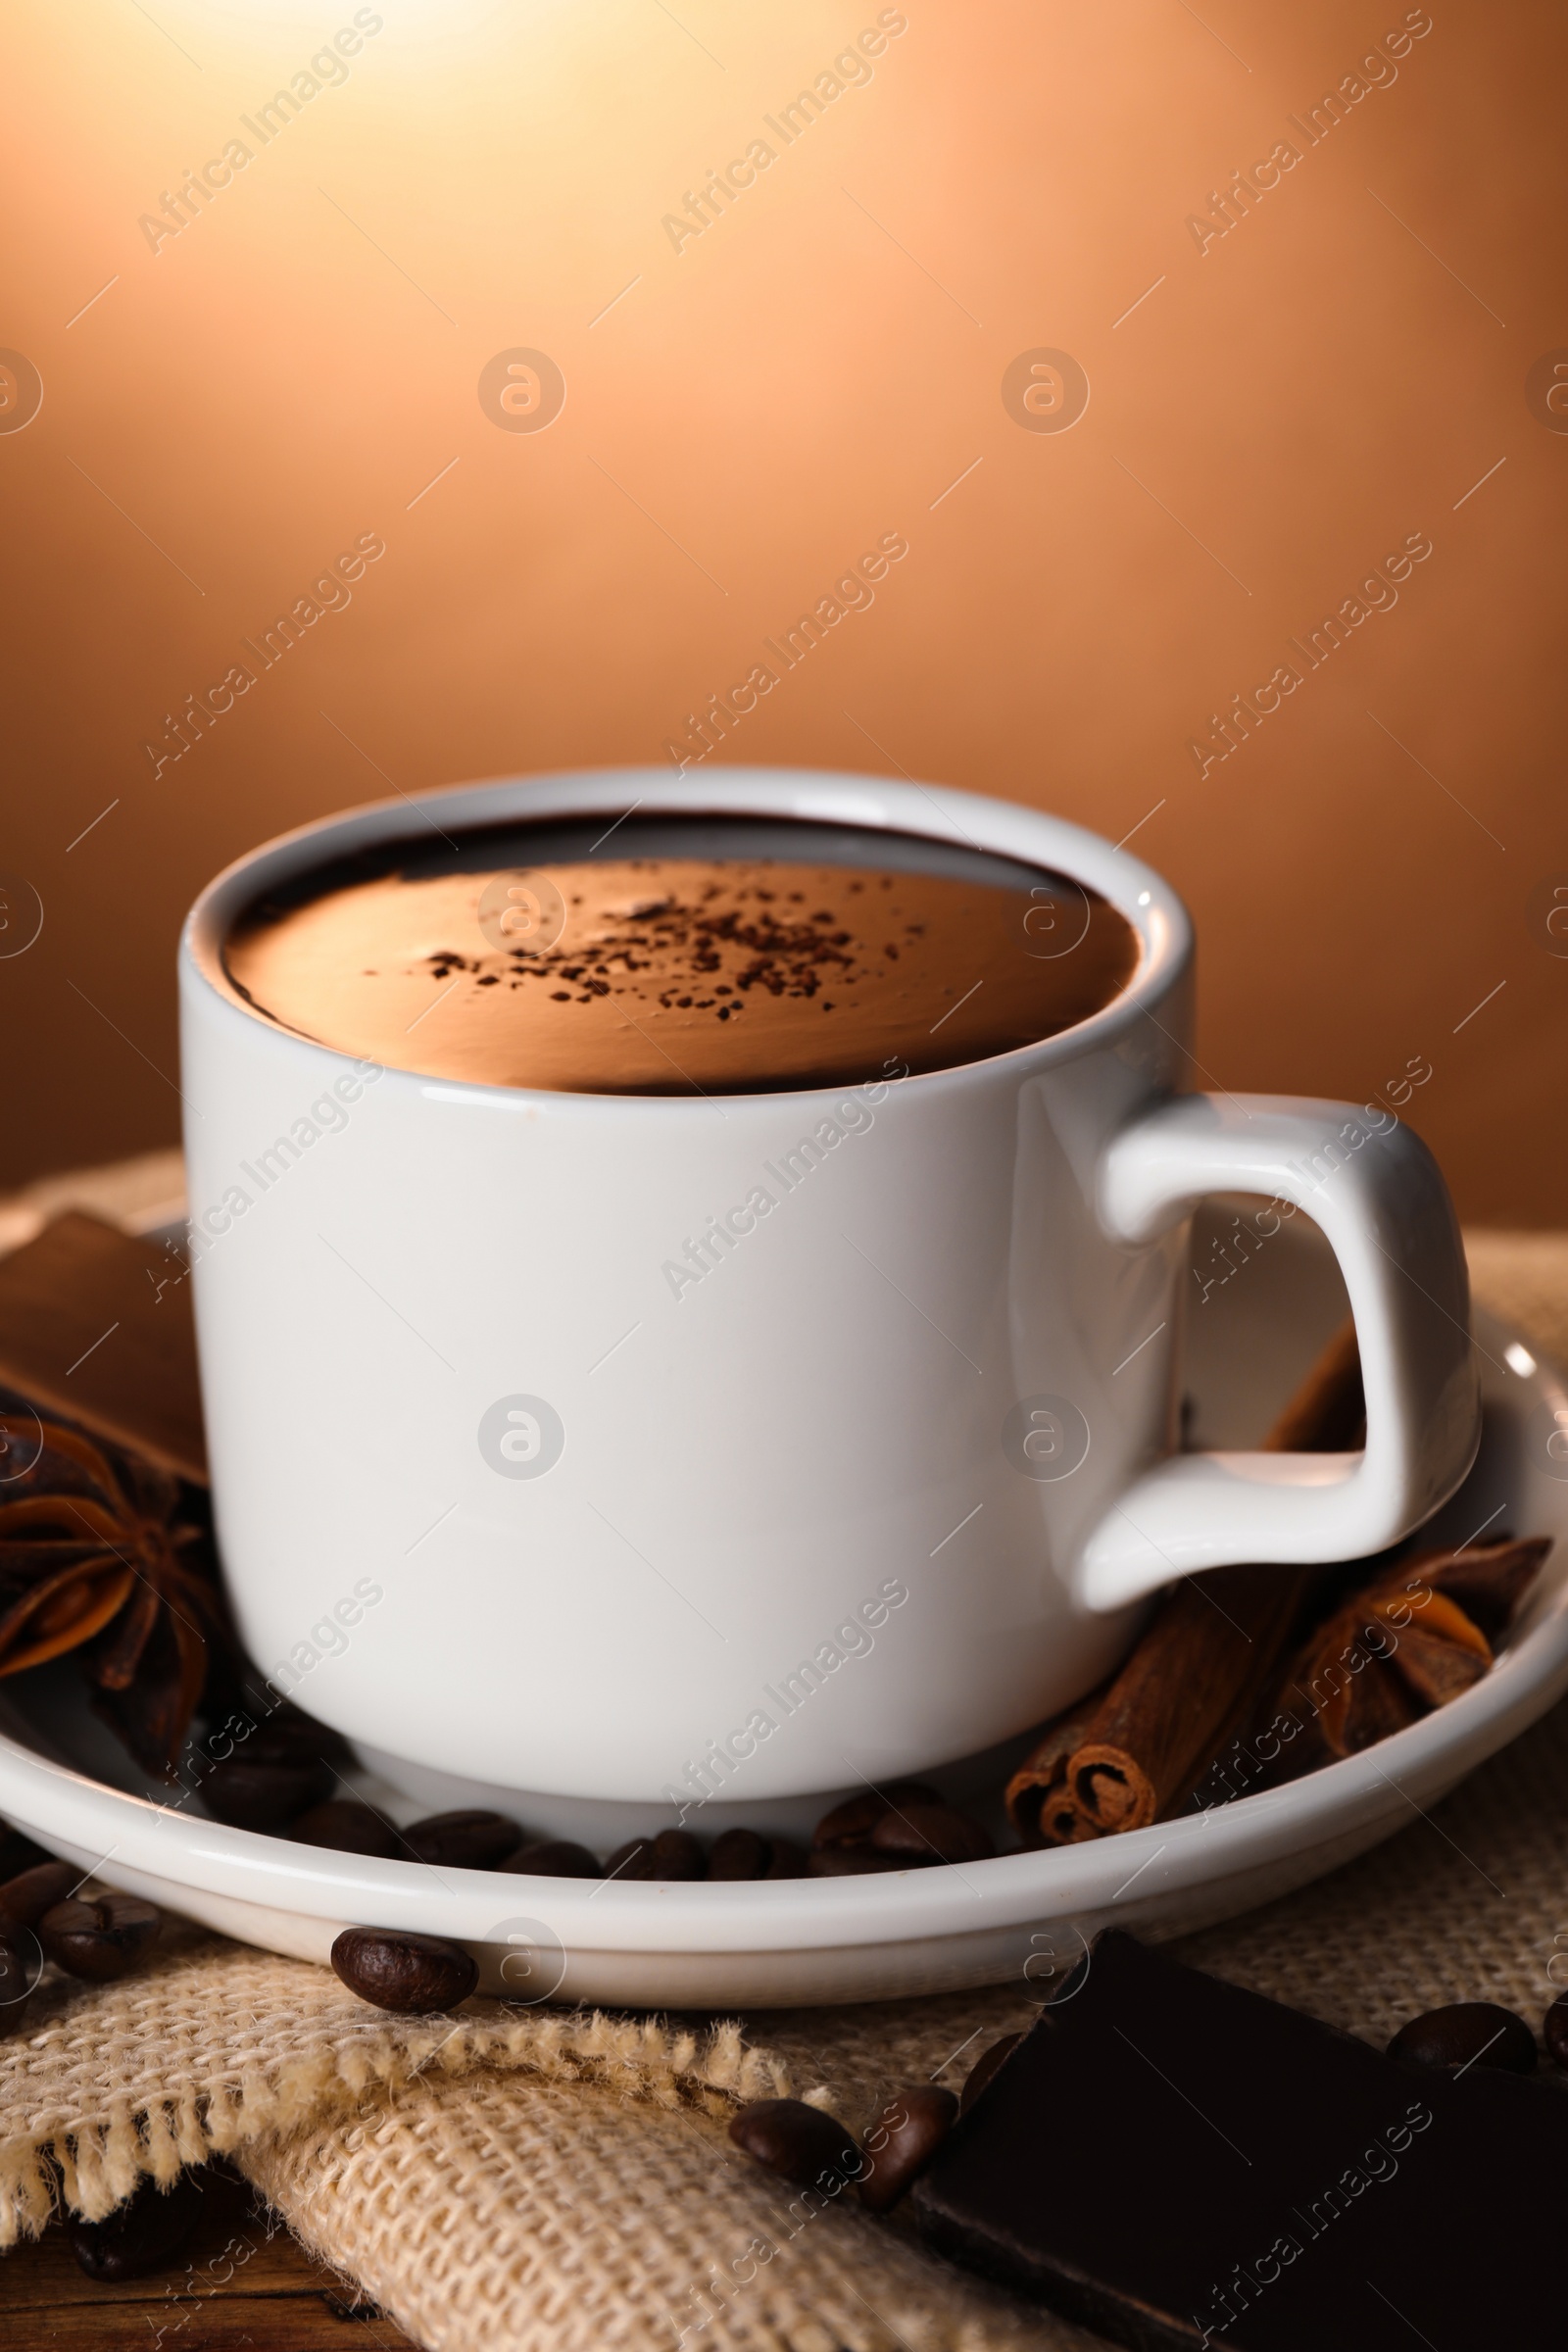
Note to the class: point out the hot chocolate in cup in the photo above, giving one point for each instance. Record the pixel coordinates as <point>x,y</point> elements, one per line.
<point>679,956</point>
<point>687,1287</point>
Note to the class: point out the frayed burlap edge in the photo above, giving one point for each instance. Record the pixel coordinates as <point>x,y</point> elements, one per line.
<point>221,2045</point>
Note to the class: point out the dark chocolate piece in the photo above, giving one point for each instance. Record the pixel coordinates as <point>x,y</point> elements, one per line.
<point>984,2066</point>
<point>82,1284</point>
<point>146,2233</point>
<point>1180,2163</point>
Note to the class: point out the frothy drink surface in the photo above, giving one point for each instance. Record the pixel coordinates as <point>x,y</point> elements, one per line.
<point>729,957</point>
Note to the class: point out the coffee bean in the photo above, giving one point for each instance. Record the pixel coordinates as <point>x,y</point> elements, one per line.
<point>20,1966</point>
<point>143,2234</point>
<point>849,1862</point>
<point>918,1832</point>
<point>1554,2029</point>
<point>853,1822</point>
<point>464,1840</point>
<point>798,2142</point>
<point>674,1854</point>
<point>27,1898</point>
<point>553,1858</point>
<point>677,1856</point>
<point>346,1826</point>
<point>902,2143</point>
<point>252,1793</point>
<point>743,1854</point>
<point>739,1854</point>
<point>1468,2034</point>
<point>99,1937</point>
<point>407,1972</point>
<point>787,1861</point>
<point>291,1736</point>
<point>989,2064</point>
<point>283,1737</point>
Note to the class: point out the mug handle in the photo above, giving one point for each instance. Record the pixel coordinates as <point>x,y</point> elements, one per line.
<point>1383,1206</point>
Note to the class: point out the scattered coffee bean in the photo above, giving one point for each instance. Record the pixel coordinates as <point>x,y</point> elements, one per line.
<point>346,1826</point>
<point>674,1854</point>
<point>20,1966</point>
<point>1467,2033</point>
<point>18,1852</point>
<point>288,1736</point>
<point>743,1854</point>
<point>931,1834</point>
<point>464,1840</point>
<point>279,1770</point>
<point>99,1937</point>
<point>852,1823</point>
<point>397,1970</point>
<point>903,1827</point>
<point>798,2142</point>
<point>738,1854</point>
<point>989,2064</point>
<point>27,1898</point>
<point>851,1861</point>
<point>143,2234</point>
<point>902,2143</point>
<point>553,1858</point>
<point>1554,2029</point>
<point>677,1856</point>
<point>251,1794</point>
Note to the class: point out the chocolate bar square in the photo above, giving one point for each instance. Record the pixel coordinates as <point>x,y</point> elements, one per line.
<point>1180,2163</point>
<point>95,1326</point>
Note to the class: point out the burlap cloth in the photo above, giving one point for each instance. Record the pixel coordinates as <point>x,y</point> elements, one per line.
<point>563,2182</point>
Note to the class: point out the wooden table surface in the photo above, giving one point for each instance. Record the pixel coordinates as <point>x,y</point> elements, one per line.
<point>242,2282</point>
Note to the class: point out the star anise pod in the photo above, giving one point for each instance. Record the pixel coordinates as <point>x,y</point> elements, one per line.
<point>1417,1635</point>
<point>95,1557</point>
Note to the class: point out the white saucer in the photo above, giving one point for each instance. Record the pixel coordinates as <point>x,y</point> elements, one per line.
<point>798,1941</point>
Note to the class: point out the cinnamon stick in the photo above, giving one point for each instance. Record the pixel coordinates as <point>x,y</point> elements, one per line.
<point>1039,1804</point>
<point>1213,1650</point>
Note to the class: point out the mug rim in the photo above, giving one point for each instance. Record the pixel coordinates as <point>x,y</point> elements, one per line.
<point>1145,900</point>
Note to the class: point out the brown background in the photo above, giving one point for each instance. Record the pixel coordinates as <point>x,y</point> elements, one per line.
<point>815,369</point>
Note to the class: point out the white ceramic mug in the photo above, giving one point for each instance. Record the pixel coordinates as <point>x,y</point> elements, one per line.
<point>528,1517</point>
